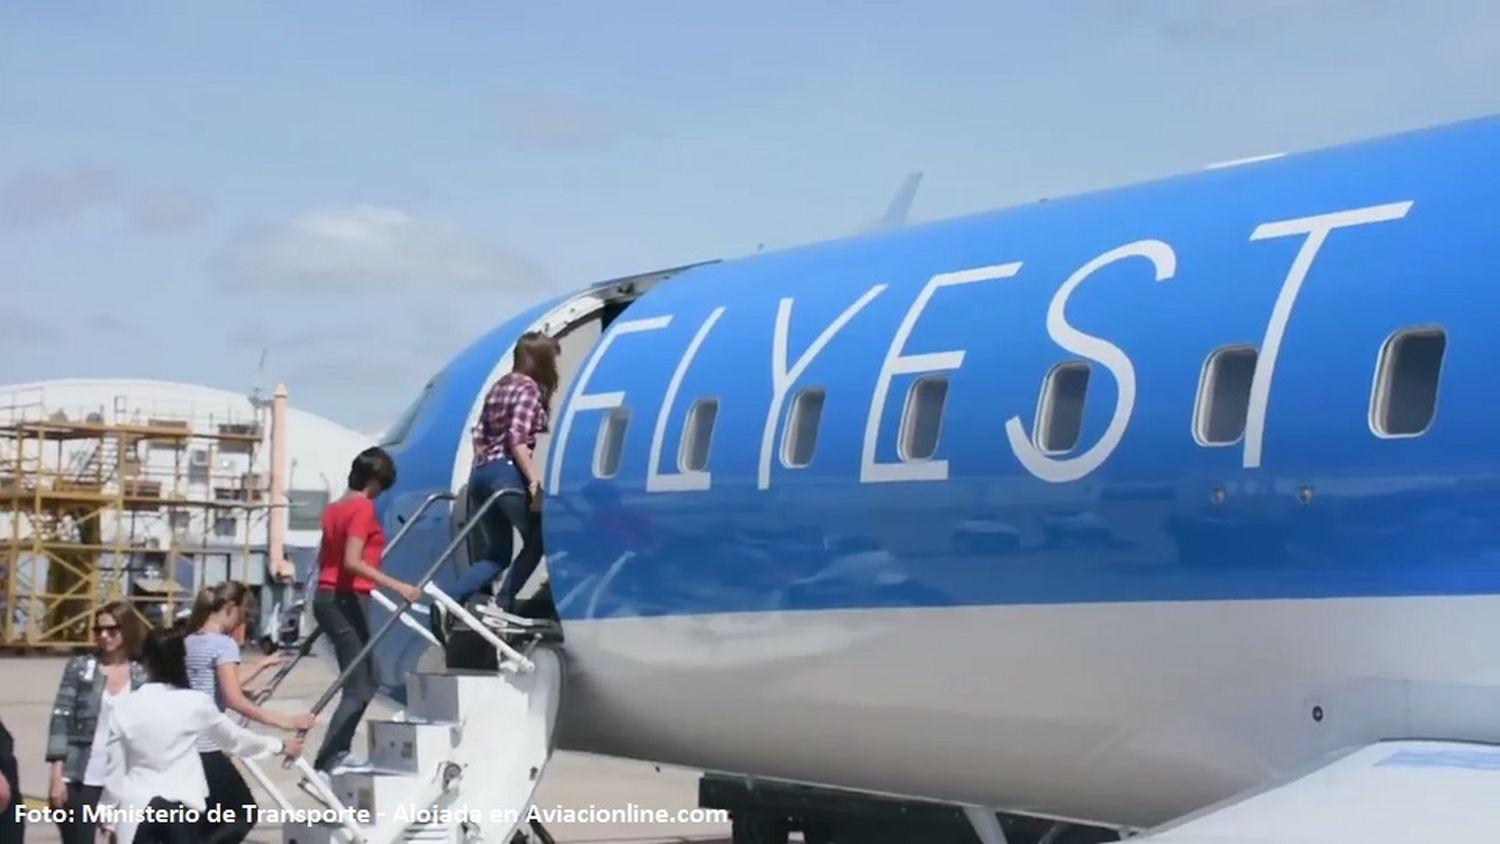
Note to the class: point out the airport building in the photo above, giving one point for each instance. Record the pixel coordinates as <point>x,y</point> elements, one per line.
<point>147,491</point>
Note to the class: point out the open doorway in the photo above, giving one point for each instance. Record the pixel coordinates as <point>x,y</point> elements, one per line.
<point>578,325</point>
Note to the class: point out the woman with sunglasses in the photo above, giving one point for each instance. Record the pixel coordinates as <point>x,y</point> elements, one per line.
<point>91,685</point>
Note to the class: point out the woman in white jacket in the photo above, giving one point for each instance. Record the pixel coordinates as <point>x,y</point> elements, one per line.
<point>152,758</point>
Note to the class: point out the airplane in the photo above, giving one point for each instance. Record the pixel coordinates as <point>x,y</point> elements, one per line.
<point>1166,510</point>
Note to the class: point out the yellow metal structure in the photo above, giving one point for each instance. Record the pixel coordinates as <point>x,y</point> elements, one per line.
<point>100,506</point>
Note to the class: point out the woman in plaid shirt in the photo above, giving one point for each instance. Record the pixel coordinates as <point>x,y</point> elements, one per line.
<point>516,409</point>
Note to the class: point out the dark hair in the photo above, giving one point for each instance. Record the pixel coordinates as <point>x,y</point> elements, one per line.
<point>372,464</point>
<point>536,357</point>
<point>165,656</point>
<point>214,598</point>
<point>130,626</point>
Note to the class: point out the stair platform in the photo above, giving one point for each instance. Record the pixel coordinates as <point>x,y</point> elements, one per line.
<point>460,765</point>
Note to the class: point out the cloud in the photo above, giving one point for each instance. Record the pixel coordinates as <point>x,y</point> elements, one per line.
<point>33,197</point>
<point>37,197</point>
<point>365,248</point>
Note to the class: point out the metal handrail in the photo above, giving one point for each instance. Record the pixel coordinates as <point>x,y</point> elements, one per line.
<point>415,626</point>
<point>303,649</point>
<point>276,795</point>
<point>517,661</point>
<point>264,782</point>
<point>328,798</point>
<point>369,648</point>
<point>306,647</point>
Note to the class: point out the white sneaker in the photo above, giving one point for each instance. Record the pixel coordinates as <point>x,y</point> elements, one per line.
<point>494,616</point>
<point>347,765</point>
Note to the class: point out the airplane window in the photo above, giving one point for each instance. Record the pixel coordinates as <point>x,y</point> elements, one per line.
<point>1060,416</point>
<point>699,433</point>
<point>1405,398</point>
<point>923,419</point>
<point>402,426</point>
<point>611,443</point>
<point>305,508</point>
<point>801,436</point>
<point>1224,395</point>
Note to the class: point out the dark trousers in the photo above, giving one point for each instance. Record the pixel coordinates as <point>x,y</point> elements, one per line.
<point>77,830</point>
<point>341,616</point>
<point>12,830</point>
<point>511,511</point>
<point>162,832</point>
<point>226,788</point>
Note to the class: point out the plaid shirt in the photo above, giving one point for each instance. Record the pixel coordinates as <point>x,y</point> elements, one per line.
<point>513,415</point>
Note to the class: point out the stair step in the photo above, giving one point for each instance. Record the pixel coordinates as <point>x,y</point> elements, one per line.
<point>331,833</point>
<point>311,833</point>
<point>445,697</point>
<point>411,747</point>
<point>383,794</point>
<point>374,792</point>
<point>469,745</point>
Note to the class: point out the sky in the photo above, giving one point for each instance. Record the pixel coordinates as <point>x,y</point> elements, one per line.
<point>339,196</point>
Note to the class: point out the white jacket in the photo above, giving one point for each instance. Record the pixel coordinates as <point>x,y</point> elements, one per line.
<point>150,751</point>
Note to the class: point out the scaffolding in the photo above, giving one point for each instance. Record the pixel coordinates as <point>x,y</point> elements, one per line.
<point>119,504</point>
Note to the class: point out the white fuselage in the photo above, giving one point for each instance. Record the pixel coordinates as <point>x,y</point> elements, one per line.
<point>1120,714</point>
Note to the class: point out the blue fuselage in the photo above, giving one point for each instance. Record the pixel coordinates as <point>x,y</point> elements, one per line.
<point>758,604</point>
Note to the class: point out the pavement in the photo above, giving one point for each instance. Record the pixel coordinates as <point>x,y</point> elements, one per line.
<point>573,781</point>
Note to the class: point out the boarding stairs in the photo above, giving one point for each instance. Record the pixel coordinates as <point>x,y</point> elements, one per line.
<point>460,763</point>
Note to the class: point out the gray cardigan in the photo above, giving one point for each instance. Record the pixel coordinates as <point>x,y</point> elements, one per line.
<point>75,713</point>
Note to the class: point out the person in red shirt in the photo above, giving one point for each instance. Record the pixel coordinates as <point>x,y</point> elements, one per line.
<point>348,570</point>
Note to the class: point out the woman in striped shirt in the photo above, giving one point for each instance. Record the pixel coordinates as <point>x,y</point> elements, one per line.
<point>212,658</point>
<point>516,410</point>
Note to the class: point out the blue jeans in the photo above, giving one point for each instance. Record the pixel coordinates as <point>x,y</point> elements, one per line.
<point>479,575</point>
<point>493,554</point>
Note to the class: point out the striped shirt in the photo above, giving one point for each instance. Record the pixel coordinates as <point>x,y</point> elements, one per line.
<point>205,653</point>
<point>514,414</point>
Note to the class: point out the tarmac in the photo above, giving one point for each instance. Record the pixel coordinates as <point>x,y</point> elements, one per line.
<point>572,781</point>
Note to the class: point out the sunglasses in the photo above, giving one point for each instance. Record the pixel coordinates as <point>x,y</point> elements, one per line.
<point>100,629</point>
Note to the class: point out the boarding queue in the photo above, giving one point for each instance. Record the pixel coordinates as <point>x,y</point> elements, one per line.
<point>140,732</point>
<point>141,729</point>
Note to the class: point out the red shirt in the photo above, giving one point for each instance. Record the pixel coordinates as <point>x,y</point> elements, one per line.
<point>341,520</point>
